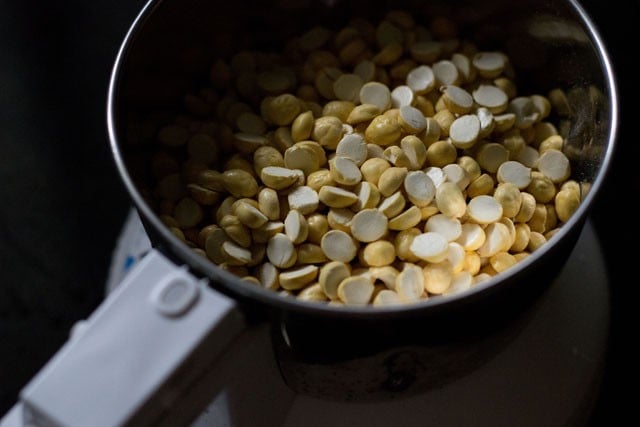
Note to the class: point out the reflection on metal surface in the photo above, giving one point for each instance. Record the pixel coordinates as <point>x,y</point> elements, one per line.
<point>557,30</point>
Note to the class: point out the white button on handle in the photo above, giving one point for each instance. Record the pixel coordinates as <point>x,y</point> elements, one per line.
<point>175,295</point>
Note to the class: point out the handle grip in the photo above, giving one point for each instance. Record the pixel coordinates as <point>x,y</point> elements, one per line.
<point>148,341</point>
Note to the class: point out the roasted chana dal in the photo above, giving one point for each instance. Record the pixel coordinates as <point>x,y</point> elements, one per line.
<point>382,163</point>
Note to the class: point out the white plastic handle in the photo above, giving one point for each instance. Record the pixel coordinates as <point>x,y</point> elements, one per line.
<point>149,341</point>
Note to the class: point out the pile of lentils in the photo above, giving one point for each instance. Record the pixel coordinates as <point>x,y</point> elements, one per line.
<point>382,163</point>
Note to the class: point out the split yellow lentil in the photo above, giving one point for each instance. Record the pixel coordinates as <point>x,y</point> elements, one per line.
<point>367,165</point>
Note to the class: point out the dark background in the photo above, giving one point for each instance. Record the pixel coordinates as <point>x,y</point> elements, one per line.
<point>62,204</point>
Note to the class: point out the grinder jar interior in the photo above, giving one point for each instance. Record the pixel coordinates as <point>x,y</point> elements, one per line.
<point>171,46</point>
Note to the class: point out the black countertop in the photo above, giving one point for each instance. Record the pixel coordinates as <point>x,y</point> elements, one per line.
<point>62,204</point>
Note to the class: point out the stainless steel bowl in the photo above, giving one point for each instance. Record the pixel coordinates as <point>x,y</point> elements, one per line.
<point>551,44</point>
